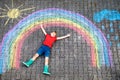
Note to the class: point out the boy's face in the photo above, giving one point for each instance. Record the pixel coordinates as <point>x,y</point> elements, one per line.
<point>53,34</point>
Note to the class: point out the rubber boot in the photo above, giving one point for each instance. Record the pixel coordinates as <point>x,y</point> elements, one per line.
<point>28,63</point>
<point>46,67</point>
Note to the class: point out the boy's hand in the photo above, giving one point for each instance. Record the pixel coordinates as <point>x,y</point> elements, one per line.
<point>43,29</point>
<point>68,35</point>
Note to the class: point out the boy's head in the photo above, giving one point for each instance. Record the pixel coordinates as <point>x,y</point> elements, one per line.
<point>53,34</point>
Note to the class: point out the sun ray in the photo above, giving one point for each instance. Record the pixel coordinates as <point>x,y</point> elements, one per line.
<point>3,13</point>
<point>7,21</point>
<point>3,9</point>
<point>12,4</point>
<point>19,6</point>
<point>26,9</point>
<point>3,16</point>
<point>7,6</point>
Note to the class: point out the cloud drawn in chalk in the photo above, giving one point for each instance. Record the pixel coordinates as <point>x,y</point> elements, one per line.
<point>106,14</point>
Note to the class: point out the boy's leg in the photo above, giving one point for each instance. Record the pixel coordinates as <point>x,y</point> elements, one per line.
<point>46,60</point>
<point>46,67</point>
<point>30,61</point>
<point>35,56</point>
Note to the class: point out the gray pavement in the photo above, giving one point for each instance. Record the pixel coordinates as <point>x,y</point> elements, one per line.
<point>70,58</point>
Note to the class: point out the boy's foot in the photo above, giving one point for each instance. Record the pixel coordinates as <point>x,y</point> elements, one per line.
<point>25,64</point>
<point>28,63</point>
<point>47,73</point>
<point>46,70</point>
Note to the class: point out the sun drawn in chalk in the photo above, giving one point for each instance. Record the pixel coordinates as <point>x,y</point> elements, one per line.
<point>13,13</point>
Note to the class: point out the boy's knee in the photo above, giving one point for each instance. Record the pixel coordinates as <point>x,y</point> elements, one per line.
<point>46,57</point>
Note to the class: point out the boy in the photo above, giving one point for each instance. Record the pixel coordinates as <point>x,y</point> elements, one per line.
<point>47,44</point>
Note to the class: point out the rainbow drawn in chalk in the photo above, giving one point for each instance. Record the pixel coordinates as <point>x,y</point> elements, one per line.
<point>11,45</point>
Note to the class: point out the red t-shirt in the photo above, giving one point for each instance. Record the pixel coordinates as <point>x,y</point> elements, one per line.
<point>49,40</point>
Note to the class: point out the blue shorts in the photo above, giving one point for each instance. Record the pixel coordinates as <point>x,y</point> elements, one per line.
<point>44,49</point>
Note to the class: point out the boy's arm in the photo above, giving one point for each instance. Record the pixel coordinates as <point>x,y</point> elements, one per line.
<point>63,37</point>
<point>43,29</point>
